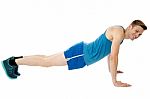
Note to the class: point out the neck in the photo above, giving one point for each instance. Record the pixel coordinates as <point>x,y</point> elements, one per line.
<point>126,34</point>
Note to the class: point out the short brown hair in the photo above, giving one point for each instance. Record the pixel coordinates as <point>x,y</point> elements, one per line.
<point>139,23</point>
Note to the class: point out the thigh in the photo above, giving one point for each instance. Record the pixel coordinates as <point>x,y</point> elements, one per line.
<point>74,56</point>
<point>58,59</point>
<point>76,63</point>
<point>75,50</point>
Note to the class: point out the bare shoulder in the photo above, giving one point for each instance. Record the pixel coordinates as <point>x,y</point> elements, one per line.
<point>115,32</point>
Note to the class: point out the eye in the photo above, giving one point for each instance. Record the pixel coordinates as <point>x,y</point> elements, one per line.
<point>136,31</point>
<point>140,34</point>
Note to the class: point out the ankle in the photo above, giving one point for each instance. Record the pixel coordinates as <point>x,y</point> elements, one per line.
<point>18,61</point>
<point>13,60</point>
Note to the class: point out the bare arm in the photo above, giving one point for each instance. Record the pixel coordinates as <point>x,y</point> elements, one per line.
<point>108,61</point>
<point>113,65</point>
<point>113,71</point>
<point>113,60</point>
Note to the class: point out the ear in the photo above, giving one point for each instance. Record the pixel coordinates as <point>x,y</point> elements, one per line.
<point>130,27</point>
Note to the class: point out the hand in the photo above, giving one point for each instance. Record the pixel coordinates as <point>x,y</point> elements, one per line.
<point>118,71</point>
<point>120,84</point>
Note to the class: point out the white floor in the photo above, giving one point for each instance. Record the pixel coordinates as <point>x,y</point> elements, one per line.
<point>48,26</point>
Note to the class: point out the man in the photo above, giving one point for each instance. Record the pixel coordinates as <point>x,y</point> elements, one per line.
<point>83,53</point>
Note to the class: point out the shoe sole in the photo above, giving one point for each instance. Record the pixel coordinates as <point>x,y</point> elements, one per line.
<point>6,71</point>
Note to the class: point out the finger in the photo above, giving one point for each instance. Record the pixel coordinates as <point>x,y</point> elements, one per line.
<point>119,71</point>
<point>118,84</point>
<point>125,85</point>
<point>129,85</point>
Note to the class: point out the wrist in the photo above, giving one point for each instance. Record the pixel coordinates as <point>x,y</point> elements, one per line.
<point>114,80</point>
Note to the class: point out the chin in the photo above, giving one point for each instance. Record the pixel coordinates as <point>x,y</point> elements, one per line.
<point>132,39</point>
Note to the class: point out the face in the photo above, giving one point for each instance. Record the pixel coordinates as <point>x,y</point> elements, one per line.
<point>135,32</point>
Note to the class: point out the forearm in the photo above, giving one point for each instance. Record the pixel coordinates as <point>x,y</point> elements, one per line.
<point>113,68</point>
<point>108,61</point>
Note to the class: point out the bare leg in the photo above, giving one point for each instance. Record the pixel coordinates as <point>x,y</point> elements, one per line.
<point>57,59</point>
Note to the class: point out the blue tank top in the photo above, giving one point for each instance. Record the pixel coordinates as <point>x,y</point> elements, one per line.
<point>97,49</point>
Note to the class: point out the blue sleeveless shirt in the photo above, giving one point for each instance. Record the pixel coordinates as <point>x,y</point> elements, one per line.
<point>97,49</point>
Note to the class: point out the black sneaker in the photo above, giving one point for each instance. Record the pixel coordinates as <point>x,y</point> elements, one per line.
<point>13,63</point>
<point>16,71</point>
<point>9,69</point>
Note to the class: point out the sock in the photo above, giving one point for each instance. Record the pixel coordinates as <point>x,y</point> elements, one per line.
<point>12,60</point>
<point>18,57</point>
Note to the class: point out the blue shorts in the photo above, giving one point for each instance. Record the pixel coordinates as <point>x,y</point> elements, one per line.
<point>74,56</point>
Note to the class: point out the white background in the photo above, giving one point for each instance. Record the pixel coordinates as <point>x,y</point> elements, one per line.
<point>30,27</point>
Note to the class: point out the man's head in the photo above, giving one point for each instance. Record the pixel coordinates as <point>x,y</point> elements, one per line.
<point>135,29</point>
